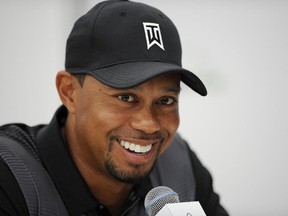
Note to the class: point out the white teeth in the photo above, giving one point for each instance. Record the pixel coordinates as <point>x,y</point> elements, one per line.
<point>132,147</point>
<point>135,147</point>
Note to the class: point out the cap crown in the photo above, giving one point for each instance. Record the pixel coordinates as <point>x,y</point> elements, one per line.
<point>115,32</point>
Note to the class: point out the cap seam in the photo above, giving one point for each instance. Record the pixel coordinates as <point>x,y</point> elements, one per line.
<point>123,62</point>
<point>139,60</point>
<point>93,29</point>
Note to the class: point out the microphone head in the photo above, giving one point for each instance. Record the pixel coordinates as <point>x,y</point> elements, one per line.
<point>157,198</point>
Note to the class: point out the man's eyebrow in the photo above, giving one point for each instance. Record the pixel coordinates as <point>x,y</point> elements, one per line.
<point>172,90</point>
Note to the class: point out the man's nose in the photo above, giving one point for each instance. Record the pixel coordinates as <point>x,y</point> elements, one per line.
<point>145,120</point>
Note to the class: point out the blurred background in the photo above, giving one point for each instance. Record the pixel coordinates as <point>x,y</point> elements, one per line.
<point>239,49</point>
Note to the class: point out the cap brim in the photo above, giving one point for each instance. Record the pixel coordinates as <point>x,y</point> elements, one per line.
<point>131,74</point>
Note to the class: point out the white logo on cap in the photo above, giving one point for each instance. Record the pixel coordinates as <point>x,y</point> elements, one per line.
<point>153,35</point>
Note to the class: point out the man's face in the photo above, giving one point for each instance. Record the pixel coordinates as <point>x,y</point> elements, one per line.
<point>121,132</point>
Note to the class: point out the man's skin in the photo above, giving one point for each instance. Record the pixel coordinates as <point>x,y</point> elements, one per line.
<point>102,124</point>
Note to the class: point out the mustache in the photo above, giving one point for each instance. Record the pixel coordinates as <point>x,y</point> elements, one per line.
<point>115,135</point>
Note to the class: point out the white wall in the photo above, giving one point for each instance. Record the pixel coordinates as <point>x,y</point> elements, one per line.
<point>239,48</point>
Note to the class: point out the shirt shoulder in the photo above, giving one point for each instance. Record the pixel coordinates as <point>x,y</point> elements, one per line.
<point>19,132</point>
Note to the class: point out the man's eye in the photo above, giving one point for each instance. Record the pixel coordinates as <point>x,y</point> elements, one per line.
<point>127,98</point>
<point>166,101</point>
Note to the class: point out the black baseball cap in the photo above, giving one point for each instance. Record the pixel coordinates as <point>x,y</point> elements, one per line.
<point>123,44</point>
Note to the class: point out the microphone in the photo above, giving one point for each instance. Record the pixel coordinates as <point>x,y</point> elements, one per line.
<point>163,201</point>
<point>157,198</point>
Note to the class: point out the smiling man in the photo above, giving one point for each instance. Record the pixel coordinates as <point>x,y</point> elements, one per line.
<point>115,136</point>
<point>119,132</point>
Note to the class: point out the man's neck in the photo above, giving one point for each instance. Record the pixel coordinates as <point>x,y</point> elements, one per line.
<point>111,193</point>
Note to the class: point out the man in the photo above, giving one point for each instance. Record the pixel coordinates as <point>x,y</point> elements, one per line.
<point>114,138</point>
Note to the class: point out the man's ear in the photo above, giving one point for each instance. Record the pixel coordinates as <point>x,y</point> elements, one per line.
<point>66,85</point>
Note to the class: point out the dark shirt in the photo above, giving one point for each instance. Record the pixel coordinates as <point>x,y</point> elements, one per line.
<point>71,186</point>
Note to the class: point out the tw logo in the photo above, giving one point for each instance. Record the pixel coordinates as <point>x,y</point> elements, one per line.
<point>153,35</point>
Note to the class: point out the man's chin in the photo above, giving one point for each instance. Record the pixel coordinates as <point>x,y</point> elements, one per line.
<point>133,176</point>
<point>130,180</point>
